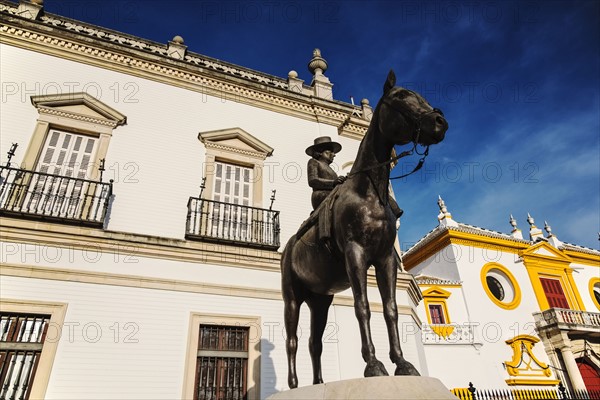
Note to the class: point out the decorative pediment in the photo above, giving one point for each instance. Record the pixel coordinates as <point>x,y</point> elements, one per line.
<point>545,251</point>
<point>436,291</point>
<point>78,106</point>
<point>236,140</point>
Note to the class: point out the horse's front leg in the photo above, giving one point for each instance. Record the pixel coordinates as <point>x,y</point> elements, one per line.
<point>356,267</point>
<point>386,273</point>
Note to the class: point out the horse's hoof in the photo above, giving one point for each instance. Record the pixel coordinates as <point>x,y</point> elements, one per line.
<point>375,368</point>
<point>406,368</point>
<point>293,382</point>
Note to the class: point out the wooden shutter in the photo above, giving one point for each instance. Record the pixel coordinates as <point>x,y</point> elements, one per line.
<point>554,293</point>
<point>437,314</point>
<point>232,186</point>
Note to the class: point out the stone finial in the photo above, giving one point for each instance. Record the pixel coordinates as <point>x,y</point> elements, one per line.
<point>548,228</point>
<point>176,49</point>
<point>535,233</point>
<point>317,65</point>
<point>30,9</point>
<point>367,110</point>
<point>294,83</point>
<point>442,205</point>
<point>322,87</point>
<point>516,232</point>
<point>444,216</point>
<point>552,239</point>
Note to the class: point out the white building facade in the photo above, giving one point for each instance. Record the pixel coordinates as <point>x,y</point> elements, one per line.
<point>145,194</point>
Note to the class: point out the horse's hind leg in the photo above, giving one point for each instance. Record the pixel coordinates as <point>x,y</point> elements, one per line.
<point>386,274</point>
<point>319,306</point>
<point>292,314</point>
<point>292,299</point>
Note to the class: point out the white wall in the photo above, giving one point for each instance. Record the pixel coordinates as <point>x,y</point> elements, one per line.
<point>157,159</point>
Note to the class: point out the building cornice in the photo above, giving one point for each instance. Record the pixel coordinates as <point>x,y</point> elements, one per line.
<point>439,238</point>
<point>81,42</point>
<point>145,282</point>
<point>130,246</point>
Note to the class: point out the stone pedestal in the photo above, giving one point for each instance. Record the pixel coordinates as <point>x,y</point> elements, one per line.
<point>379,387</point>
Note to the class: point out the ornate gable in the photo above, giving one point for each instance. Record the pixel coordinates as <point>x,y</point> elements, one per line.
<point>79,106</point>
<point>236,140</point>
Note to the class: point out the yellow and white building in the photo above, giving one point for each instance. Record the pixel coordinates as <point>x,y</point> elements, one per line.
<point>504,309</point>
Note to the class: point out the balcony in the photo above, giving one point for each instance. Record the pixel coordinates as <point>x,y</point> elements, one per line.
<point>215,221</point>
<point>64,199</point>
<point>568,320</point>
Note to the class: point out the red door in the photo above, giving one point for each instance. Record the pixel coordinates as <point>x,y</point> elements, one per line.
<point>590,376</point>
<point>554,293</point>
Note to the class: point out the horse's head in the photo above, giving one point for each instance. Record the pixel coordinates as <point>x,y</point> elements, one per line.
<point>405,116</point>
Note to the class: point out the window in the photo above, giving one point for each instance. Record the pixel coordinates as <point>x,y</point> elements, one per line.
<point>22,337</point>
<point>240,149</point>
<point>73,129</point>
<point>222,366</point>
<point>495,287</point>
<point>222,360</point>
<point>232,187</point>
<point>544,262</point>
<point>58,177</point>
<point>437,314</point>
<point>29,336</point>
<point>500,285</point>
<point>554,293</point>
<point>230,207</point>
<point>437,311</point>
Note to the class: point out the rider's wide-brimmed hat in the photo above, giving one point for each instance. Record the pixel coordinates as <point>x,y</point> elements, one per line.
<point>323,143</point>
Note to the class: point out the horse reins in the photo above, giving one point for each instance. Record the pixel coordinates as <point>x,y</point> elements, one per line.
<point>417,120</point>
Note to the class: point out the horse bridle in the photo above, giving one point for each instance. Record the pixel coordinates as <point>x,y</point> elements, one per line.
<point>416,120</point>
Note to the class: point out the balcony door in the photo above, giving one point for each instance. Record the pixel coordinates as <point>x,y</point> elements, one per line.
<point>554,293</point>
<point>65,155</point>
<point>232,217</point>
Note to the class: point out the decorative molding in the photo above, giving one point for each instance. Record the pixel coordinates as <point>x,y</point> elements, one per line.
<point>145,282</point>
<point>137,245</point>
<point>524,362</point>
<point>133,56</point>
<point>516,300</point>
<point>76,116</point>
<point>214,139</point>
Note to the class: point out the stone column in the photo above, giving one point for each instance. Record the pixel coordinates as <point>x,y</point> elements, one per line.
<point>572,369</point>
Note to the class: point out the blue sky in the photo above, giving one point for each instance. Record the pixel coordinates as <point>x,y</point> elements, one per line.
<point>519,83</point>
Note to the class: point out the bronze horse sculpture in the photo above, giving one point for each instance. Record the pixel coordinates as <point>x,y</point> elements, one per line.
<point>363,234</point>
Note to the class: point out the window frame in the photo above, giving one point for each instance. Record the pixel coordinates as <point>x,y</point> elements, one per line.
<point>77,113</point>
<point>254,349</point>
<point>237,147</point>
<point>57,312</point>
<point>507,305</point>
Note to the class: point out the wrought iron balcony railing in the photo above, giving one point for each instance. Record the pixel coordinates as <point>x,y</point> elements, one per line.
<point>53,197</point>
<point>216,221</point>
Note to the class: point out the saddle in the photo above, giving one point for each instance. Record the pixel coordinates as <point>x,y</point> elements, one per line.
<point>320,216</point>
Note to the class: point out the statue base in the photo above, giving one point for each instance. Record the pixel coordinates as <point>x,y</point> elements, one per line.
<point>377,387</point>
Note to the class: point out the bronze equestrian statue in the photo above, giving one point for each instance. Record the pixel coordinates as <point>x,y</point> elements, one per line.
<point>362,234</point>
